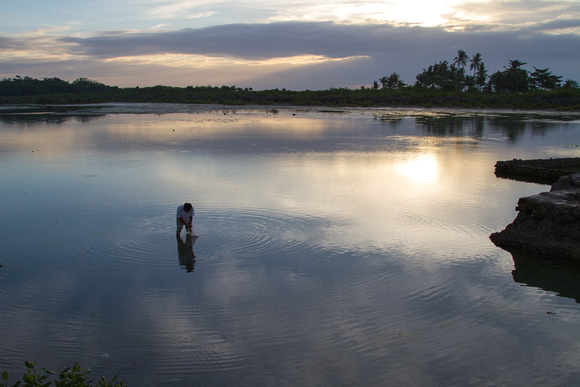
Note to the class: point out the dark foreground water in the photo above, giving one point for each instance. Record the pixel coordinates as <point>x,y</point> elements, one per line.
<point>336,248</point>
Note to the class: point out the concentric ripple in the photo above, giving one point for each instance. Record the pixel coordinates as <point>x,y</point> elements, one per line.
<point>253,231</point>
<point>241,232</point>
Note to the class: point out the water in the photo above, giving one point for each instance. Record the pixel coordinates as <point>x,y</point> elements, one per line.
<point>337,247</point>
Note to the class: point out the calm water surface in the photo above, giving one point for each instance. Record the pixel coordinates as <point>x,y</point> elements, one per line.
<point>337,247</point>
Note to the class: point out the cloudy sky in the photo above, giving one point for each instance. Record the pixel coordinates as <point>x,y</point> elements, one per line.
<point>292,44</point>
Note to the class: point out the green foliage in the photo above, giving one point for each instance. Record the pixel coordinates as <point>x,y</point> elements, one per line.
<point>444,93</point>
<point>442,76</point>
<point>392,82</point>
<point>75,376</point>
<point>544,79</point>
<point>442,84</point>
<point>512,79</point>
<point>571,84</point>
<point>461,59</point>
<point>27,86</point>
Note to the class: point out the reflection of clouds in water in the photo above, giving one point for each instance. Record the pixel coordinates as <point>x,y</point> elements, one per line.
<point>368,202</point>
<point>319,264</point>
<point>236,281</point>
<point>252,324</point>
<point>242,130</point>
<point>186,128</point>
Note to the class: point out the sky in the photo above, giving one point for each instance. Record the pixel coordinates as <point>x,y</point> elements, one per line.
<point>292,44</point>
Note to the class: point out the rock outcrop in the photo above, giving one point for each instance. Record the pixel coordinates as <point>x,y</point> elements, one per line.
<point>548,224</point>
<point>543,171</point>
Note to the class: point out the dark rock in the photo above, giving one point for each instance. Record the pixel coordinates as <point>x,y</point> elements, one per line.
<point>566,182</point>
<point>575,179</point>
<point>562,183</point>
<point>548,225</point>
<point>543,171</point>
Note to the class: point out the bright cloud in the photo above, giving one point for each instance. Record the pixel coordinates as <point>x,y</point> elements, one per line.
<point>414,12</point>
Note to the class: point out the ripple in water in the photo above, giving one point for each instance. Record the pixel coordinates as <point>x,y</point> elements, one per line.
<point>224,234</point>
<point>259,231</point>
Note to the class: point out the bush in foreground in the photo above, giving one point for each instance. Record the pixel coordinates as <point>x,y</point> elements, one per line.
<point>75,376</point>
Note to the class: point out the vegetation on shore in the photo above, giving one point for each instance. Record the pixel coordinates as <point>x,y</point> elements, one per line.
<point>442,84</point>
<point>75,376</point>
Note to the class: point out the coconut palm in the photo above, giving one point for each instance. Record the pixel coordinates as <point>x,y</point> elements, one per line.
<point>481,76</point>
<point>517,77</point>
<point>384,81</point>
<point>461,59</point>
<point>512,79</point>
<point>515,64</point>
<point>475,63</point>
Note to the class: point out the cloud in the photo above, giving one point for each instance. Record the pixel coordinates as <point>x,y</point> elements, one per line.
<point>292,55</point>
<point>9,43</point>
<point>288,39</point>
<point>512,15</point>
<point>248,41</point>
<point>172,10</point>
<point>449,13</point>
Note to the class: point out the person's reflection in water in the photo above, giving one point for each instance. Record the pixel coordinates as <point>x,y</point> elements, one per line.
<point>185,252</point>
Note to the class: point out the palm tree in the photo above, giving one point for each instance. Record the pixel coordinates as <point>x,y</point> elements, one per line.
<point>384,81</point>
<point>461,59</point>
<point>514,77</point>
<point>475,63</point>
<point>481,76</point>
<point>515,64</point>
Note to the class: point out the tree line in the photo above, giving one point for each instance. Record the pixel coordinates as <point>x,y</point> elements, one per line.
<point>463,82</point>
<point>23,86</point>
<point>454,76</point>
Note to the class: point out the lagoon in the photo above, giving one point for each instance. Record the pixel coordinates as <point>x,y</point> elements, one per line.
<point>337,247</point>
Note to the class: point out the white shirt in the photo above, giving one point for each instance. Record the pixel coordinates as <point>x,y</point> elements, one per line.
<point>181,213</point>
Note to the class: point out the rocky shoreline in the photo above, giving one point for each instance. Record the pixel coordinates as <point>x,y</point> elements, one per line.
<point>548,224</point>
<point>543,171</point>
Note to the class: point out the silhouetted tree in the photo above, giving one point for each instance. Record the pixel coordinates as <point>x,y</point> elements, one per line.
<point>544,79</point>
<point>481,76</point>
<point>475,63</point>
<point>570,84</point>
<point>86,84</point>
<point>383,81</point>
<point>461,59</point>
<point>512,79</point>
<point>392,82</point>
<point>442,76</point>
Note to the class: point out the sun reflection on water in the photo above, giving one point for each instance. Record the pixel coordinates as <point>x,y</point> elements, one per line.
<point>421,169</point>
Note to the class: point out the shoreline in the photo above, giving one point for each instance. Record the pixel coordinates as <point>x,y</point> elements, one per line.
<point>558,100</point>
<point>541,171</point>
<point>546,225</point>
<point>34,108</point>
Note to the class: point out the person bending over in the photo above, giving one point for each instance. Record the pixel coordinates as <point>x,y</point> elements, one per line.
<point>185,218</point>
